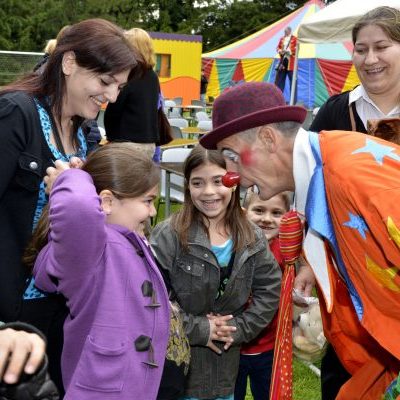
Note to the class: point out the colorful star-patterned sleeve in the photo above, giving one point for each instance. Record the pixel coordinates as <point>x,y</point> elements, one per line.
<point>362,184</point>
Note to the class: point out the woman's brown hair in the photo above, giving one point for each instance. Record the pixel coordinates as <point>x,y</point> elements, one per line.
<point>99,46</point>
<point>387,18</point>
<point>235,221</point>
<point>119,167</point>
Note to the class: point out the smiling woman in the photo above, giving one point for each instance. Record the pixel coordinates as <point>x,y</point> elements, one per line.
<point>376,39</point>
<point>40,121</point>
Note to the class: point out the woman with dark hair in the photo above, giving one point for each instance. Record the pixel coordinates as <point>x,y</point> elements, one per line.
<point>40,119</point>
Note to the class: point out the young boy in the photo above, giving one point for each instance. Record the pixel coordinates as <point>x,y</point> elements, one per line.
<point>257,356</point>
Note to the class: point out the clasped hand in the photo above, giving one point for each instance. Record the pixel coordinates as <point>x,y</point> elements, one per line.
<point>59,166</point>
<point>220,331</point>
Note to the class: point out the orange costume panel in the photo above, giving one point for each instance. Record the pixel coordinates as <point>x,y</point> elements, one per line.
<point>362,188</point>
<point>292,47</point>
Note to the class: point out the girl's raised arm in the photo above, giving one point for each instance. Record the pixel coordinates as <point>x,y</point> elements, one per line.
<point>77,226</point>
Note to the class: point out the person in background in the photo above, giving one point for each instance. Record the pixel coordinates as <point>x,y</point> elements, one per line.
<point>256,357</point>
<point>214,258</point>
<point>203,85</point>
<point>23,364</point>
<point>347,186</point>
<point>376,40</point>
<point>134,116</point>
<point>40,121</point>
<point>116,332</point>
<point>287,50</point>
<point>49,48</point>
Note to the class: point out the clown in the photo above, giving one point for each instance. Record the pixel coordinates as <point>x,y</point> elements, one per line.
<point>347,186</point>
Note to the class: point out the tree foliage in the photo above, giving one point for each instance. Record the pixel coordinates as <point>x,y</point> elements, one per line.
<point>27,25</point>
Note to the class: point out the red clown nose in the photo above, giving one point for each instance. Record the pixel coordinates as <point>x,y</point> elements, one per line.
<point>231,179</point>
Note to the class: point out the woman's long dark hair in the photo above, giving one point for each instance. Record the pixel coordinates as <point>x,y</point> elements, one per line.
<point>235,221</point>
<point>98,45</point>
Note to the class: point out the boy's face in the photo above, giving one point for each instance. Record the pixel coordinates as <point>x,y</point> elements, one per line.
<point>267,214</point>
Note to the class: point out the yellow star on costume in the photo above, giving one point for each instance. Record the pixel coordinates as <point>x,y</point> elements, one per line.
<point>394,232</point>
<point>385,276</point>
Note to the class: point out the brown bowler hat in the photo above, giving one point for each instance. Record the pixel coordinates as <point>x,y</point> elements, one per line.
<point>247,106</point>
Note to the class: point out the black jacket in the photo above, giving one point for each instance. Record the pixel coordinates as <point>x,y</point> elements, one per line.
<point>24,157</point>
<point>335,115</point>
<point>37,386</point>
<point>134,116</point>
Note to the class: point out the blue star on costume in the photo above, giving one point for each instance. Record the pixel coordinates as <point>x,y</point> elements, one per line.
<point>357,222</point>
<point>378,151</point>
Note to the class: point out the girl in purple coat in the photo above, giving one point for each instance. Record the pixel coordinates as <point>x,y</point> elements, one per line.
<point>116,334</point>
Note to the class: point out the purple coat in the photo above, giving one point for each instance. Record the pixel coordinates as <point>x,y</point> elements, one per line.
<point>104,271</point>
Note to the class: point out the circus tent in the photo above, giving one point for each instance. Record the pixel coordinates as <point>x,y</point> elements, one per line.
<point>323,69</point>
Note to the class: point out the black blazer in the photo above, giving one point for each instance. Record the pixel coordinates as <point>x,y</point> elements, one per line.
<point>335,115</point>
<point>24,157</point>
<point>134,116</point>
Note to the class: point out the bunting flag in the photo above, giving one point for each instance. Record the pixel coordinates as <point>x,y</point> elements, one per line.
<point>323,69</point>
<point>290,240</point>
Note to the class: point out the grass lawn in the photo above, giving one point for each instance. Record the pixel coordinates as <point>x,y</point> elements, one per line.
<point>306,385</point>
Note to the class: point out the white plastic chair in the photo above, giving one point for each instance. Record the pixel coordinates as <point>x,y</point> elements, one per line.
<point>178,154</point>
<point>206,125</point>
<point>178,100</point>
<point>169,108</point>
<point>179,122</point>
<point>202,116</point>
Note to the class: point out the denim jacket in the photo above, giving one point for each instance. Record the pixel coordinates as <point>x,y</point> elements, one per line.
<point>195,275</point>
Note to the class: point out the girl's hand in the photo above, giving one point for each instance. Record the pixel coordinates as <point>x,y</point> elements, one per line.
<point>210,343</point>
<point>53,172</point>
<point>75,162</point>
<point>221,330</point>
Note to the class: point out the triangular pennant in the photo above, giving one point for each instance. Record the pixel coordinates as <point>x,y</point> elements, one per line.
<point>334,74</point>
<point>213,88</point>
<point>226,69</point>
<point>321,92</point>
<point>352,80</point>
<point>238,74</point>
<point>255,70</point>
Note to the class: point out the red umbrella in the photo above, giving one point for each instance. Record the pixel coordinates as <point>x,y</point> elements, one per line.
<point>290,240</point>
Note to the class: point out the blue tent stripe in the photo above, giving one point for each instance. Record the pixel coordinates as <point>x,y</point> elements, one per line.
<point>306,82</point>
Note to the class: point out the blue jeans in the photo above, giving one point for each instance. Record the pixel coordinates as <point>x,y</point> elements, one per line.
<point>258,368</point>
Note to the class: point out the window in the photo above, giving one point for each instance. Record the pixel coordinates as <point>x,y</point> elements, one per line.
<point>163,65</point>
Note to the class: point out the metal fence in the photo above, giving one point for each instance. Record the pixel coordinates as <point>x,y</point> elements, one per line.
<point>14,64</point>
